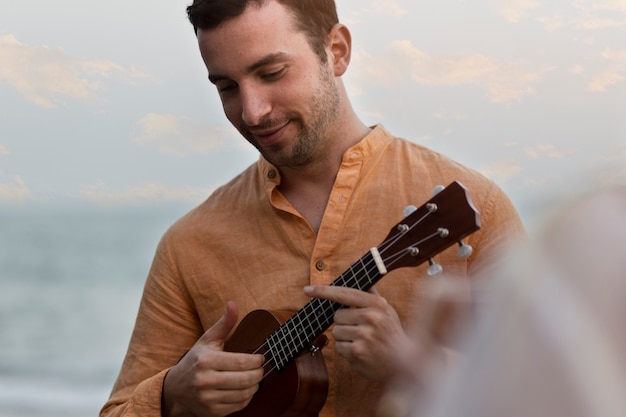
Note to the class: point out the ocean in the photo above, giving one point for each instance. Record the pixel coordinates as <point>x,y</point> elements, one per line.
<point>70,285</point>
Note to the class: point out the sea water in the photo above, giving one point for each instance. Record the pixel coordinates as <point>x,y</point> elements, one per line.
<point>70,285</point>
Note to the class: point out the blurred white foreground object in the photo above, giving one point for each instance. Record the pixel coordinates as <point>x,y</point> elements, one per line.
<point>552,341</point>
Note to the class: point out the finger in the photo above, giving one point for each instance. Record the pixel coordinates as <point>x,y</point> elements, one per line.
<point>346,332</point>
<point>221,329</point>
<point>237,362</point>
<point>236,396</point>
<point>236,380</point>
<point>350,297</point>
<point>374,291</point>
<point>225,402</point>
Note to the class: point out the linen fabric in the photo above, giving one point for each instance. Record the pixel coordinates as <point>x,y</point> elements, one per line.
<point>247,244</point>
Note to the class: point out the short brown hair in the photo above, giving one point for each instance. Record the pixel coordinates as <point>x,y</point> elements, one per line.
<point>315,17</point>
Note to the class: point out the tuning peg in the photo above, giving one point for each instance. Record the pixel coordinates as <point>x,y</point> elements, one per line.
<point>437,190</point>
<point>434,268</point>
<point>408,210</point>
<point>465,250</point>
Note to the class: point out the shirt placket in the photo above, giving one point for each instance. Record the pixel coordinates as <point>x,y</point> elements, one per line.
<point>328,245</point>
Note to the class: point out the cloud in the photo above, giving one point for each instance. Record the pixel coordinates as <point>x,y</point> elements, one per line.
<point>543,151</point>
<point>444,115</point>
<point>515,10</point>
<point>357,12</point>
<point>576,70</point>
<point>14,191</point>
<point>587,22</point>
<point>504,82</point>
<point>587,15</point>
<point>46,76</point>
<point>502,171</point>
<point>601,5</point>
<point>4,150</point>
<point>552,23</point>
<point>597,23</point>
<point>172,135</point>
<point>601,81</point>
<point>614,74</point>
<point>389,7</point>
<point>147,193</point>
<point>594,14</point>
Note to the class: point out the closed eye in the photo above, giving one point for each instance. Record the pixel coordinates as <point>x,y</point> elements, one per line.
<point>274,75</point>
<point>225,87</point>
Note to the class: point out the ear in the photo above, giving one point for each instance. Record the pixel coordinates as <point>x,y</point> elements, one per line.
<point>340,48</point>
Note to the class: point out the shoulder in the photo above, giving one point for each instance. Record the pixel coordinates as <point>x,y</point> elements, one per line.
<point>433,168</point>
<point>225,202</point>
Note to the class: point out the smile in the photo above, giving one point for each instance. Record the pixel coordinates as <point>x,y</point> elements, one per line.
<point>269,137</point>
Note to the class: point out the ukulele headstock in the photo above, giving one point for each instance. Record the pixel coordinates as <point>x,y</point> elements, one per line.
<point>441,222</point>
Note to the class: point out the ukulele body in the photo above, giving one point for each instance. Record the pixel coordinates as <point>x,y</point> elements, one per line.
<point>300,389</point>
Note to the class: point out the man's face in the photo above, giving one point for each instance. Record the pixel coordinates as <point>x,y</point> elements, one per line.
<point>273,87</point>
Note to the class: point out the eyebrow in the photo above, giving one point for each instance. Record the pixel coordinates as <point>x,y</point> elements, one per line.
<point>266,60</point>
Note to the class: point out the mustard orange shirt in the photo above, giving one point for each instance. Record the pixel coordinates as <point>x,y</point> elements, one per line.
<point>246,243</point>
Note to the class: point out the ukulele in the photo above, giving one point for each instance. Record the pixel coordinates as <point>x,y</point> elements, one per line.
<point>295,382</point>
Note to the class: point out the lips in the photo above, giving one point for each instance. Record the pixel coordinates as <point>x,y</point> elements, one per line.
<point>267,137</point>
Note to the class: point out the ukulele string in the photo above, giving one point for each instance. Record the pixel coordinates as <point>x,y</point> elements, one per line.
<point>383,247</point>
<point>395,257</point>
<point>328,309</point>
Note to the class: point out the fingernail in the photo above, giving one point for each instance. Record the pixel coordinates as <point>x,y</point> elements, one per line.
<point>308,289</point>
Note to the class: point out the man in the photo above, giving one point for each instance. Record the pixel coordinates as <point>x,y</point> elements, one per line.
<point>325,189</point>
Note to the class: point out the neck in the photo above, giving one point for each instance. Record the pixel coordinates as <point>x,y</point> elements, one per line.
<point>308,187</point>
<point>322,171</point>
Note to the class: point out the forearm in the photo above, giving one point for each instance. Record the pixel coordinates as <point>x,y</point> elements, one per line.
<point>165,328</point>
<point>144,400</point>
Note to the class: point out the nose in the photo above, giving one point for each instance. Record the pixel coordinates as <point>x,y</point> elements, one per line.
<point>255,105</point>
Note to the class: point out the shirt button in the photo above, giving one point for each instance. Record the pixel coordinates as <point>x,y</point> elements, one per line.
<point>271,174</point>
<point>320,265</point>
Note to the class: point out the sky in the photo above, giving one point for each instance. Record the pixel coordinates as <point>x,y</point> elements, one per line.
<point>107,103</point>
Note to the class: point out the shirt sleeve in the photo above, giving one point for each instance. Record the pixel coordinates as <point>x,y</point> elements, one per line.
<point>165,329</point>
<point>501,228</point>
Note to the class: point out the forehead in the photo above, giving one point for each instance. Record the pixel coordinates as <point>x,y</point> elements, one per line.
<point>261,30</point>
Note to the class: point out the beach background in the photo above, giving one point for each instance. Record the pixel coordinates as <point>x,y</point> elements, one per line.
<point>110,131</point>
<point>70,284</point>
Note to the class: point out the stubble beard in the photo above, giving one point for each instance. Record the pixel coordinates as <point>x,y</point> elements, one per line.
<point>312,143</point>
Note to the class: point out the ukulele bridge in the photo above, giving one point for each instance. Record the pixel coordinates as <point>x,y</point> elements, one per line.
<point>318,344</point>
<point>314,350</point>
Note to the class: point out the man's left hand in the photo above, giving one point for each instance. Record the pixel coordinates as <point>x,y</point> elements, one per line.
<point>368,333</point>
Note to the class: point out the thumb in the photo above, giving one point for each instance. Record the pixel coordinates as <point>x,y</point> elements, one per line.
<point>374,291</point>
<point>221,329</point>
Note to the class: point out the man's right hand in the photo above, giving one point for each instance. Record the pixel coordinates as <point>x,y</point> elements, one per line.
<point>208,381</point>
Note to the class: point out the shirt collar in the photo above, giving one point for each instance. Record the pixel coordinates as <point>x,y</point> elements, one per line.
<point>371,144</point>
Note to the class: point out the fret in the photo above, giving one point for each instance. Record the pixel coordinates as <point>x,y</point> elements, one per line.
<point>443,221</point>
<point>284,345</point>
<point>370,281</point>
<point>271,349</point>
<point>317,315</point>
<point>362,275</point>
<point>285,351</point>
<point>356,279</point>
<point>298,332</point>
<point>274,342</point>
